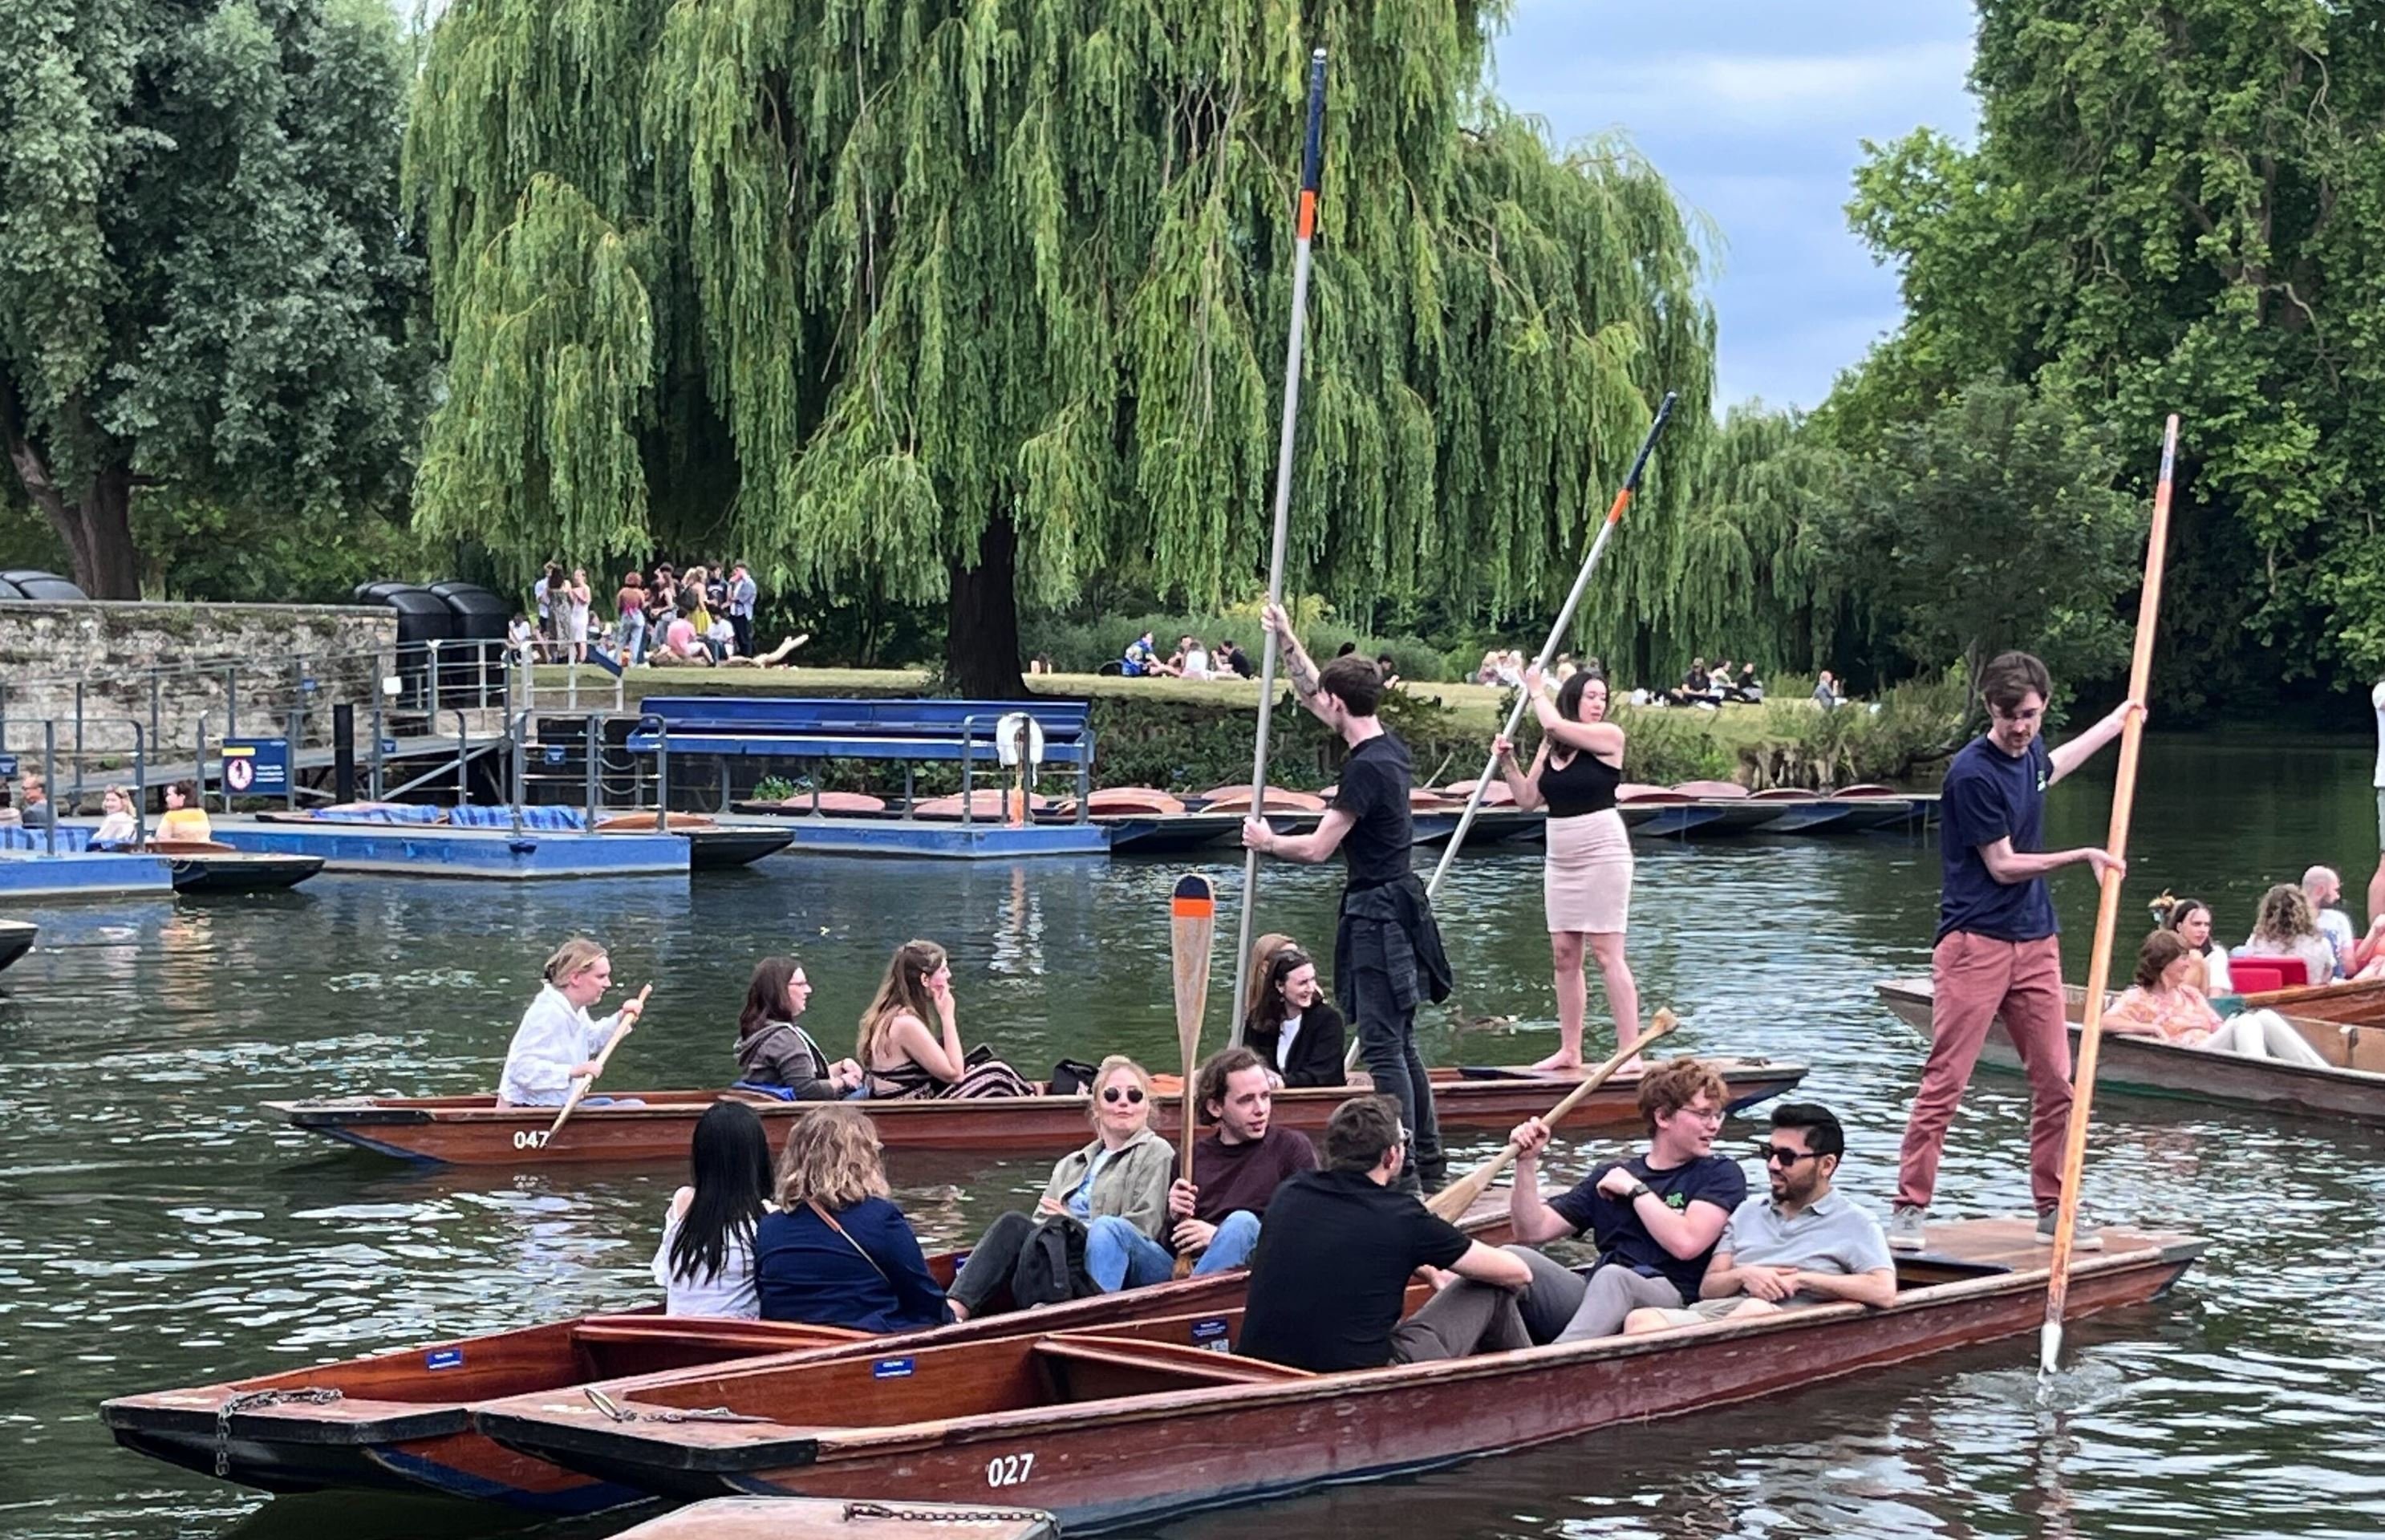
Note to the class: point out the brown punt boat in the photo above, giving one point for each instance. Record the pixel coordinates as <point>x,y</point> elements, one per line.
<point>2353,1086</point>
<point>1104,1429</point>
<point>795,1519</point>
<point>401,1421</point>
<point>472,1130</point>
<point>2359,1004</point>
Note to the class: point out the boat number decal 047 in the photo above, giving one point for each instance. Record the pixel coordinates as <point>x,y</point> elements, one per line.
<point>1008,1470</point>
<point>529,1139</point>
<point>446,1357</point>
<point>890,1369</point>
<point>1210,1332</point>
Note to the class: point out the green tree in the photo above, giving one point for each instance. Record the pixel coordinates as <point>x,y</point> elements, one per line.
<point>202,285</point>
<point>972,303</point>
<point>1993,523</point>
<point>2172,206</point>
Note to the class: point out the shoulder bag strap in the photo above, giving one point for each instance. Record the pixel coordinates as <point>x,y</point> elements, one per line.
<point>829,1220</point>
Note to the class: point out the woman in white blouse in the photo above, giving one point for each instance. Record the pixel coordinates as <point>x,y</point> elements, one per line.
<point>557,1043</point>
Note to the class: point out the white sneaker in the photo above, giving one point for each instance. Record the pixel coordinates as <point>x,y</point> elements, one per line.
<point>2082,1237</point>
<point>1904,1228</point>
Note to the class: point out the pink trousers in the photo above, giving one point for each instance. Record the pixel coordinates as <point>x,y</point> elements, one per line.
<point>1976,979</point>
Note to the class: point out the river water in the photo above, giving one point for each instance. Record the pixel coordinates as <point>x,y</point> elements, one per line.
<point>158,1229</point>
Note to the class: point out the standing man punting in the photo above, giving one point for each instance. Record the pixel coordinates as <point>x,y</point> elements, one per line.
<point>1387,952</point>
<point>1997,951</point>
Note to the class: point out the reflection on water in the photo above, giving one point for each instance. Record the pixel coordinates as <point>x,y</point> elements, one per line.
<point>159,1227</point>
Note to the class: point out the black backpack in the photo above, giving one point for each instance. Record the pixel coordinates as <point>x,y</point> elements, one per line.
<point>1050,1268</point>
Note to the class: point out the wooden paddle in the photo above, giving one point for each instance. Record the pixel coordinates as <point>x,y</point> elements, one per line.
<point>580,1088</point>
<point>2107,910</point>
<point>1455,1198</point>
<point>1191,927</point>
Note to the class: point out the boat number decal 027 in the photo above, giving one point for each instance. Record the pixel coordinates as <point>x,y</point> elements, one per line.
<point>529,1139</point>
<point>1009,1470</point>
<point>446,1357</point>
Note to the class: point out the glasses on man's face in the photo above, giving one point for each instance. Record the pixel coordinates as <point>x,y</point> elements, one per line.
<point>1781,1155</point>
<point>1123,1093</point>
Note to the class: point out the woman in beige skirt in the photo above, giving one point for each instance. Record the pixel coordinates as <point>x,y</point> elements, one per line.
<point>1587,879</point>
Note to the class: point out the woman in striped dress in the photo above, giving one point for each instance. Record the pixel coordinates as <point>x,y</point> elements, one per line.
<point>902,1056</point>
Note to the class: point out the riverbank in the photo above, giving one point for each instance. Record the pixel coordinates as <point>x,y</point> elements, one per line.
<point>1189,735</point>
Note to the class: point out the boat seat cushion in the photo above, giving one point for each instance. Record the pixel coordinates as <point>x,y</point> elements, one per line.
<point>72,836</point>
<point>540,815</point>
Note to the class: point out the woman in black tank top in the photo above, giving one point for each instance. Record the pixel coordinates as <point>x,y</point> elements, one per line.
<point>1586,875</point>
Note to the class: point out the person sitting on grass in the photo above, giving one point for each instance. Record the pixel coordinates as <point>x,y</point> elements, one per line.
<point>1801,1244</point>
<point>1142,658</point>
<point>1120,1179</point>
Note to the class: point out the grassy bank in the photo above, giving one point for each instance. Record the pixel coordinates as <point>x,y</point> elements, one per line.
<point>1188,735</point>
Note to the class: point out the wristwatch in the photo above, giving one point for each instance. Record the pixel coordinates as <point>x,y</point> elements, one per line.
<point>1637,1191</point>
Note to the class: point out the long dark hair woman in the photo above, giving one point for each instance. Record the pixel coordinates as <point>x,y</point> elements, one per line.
<point>1291,1026</point>
<point>775,1055</point>
<point>2191,918</point>
<point>706,1263</point>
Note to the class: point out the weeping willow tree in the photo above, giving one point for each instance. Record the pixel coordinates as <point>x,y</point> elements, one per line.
<point>966,300</point>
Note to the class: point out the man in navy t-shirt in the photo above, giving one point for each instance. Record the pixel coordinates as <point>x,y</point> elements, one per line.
<point>1996,953</point>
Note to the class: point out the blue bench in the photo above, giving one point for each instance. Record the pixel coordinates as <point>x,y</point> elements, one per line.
<point>74,837</point>
<point>913,731</point>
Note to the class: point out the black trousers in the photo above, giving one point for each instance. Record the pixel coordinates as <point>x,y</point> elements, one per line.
<point>1386,1047</point>
<point>992,1260</point>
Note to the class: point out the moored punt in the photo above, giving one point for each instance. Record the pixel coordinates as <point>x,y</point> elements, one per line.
<point>400,1421</point>
<point>205,867</point>
<point>2359,1004</point>
<point>472,1130</point>
<point>711,846</point>
<point>801,1519</point>
<point>1108,1428</point>
<point>2353,1086</point>
<point>16,940</point>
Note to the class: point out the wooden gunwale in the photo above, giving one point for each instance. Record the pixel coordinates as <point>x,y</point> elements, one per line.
<point>474,1131</point>
<point>1083,1460</point>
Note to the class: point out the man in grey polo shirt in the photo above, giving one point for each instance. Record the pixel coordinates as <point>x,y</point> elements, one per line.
<point>1802,1245</point>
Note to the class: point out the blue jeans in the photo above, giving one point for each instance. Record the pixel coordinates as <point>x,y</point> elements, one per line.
<point>1118,1256</point>
<point>633,637</point>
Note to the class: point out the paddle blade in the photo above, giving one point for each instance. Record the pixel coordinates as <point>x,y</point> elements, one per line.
<point>1192,924</point>
<point>2049,1347</point>
<point>1451,1202</point>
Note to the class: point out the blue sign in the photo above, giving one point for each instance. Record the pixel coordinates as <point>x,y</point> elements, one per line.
<point>890,1369</point>
<point>446,1357</point>
<point>257,766</point>
<point>8,765</point>
<point>555,753</point>
<point>388,746</point>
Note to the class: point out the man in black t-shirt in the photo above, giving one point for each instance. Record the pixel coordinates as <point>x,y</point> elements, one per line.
<point>1387,954</point>
<point>1654,1218</point>
<point>1332,1267</point>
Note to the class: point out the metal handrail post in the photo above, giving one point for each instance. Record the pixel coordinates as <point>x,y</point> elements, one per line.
<point>231,701</point>
<point>375,753</point>
<point>571,685</point>
<point>431,649</point>
<point>289,759</point>
<point>463,756</point>
<point>77,757</point>
<point>155,734</point>
<point>969,768</point>
<point>519,732</point>
<point>50,781</point>
<point>588,761</point>
<point>139,786</point>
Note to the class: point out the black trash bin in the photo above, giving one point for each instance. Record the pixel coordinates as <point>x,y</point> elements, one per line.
<point>26,583</point>
<point>476,664</point>
<point>422,618</point>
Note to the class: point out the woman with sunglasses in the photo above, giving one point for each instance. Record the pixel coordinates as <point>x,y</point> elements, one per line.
<point>1125,1171</point>
<point>1291,1024</point>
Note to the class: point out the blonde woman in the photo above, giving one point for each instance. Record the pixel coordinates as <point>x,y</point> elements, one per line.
<point>2286,926</point>
<point>902,1056</point>
<point>115,824</point>
<point>558,1042</point>
<point>838,1252</point>
<point>1121,1177</point>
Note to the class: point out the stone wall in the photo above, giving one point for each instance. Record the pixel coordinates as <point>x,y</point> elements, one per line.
<point>164,667</point>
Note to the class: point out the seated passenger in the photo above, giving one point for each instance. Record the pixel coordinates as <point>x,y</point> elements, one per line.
<point>1803,1245</point>
<point>2162,1001</point>
<point>2286,927</point>
<point>705,1262</point>
<point>36,812</point>
<point>1120,1179</point>
<point>2323,888</point>
<point>184,820</point>
<point>900,1057</point>
<point>1293,1028</point>
<point>2192,919</point>
<point>775,1055</point>
<point>557,1043</point>
<point>116,827</point>
<point>1236,1171</point>
<point>1654,1218</point>
<point>838,1252</point>
<point>1331,1274</point>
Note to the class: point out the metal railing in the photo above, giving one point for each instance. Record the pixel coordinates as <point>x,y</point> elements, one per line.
<point>127,765</point>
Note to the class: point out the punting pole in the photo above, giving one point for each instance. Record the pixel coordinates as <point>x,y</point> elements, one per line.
<point>2107,910</point>
<point>1312,157</point>
<point>1556,635</point>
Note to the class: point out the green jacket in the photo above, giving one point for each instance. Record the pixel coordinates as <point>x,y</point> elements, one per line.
<point>1133,1185</point>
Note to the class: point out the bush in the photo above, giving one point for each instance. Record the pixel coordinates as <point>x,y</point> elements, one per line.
<point>1910,726</point>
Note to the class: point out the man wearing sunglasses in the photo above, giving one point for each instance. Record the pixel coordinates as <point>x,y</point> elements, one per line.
<point>1802,1245</point>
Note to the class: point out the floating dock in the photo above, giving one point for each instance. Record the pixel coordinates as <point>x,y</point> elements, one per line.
<point>80,874</point>
<point>437,850</point>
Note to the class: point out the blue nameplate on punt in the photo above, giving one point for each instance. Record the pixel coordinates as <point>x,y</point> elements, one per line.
<point>446,1357</point>
<point>890,1369</point>
<point>1210,1333</point>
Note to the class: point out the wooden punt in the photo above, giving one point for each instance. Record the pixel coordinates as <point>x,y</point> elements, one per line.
<point>1110,1428</point>
<point>16,940</point>
<point>401,1421</point>
<point>2358,1004</point>
<point>2352,1086</point>
<point>472,1130</point>
<point>712,846</point>
<point>205,867</point>
<point>826,1519</point>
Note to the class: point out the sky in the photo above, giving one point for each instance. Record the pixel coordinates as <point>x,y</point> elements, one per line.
<point>1755,110</point>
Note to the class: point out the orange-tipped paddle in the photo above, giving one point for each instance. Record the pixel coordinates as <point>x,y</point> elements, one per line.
<point>580,1088</point>
<point>1191,927</point>
<point>1459,1196</point>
